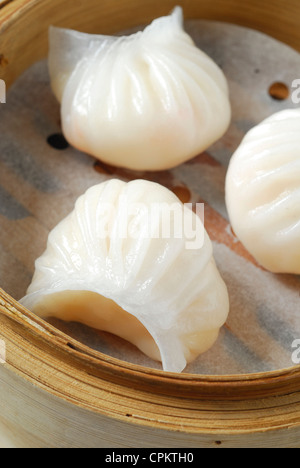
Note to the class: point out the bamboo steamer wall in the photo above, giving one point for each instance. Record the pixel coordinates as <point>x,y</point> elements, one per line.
<point>56,392</point>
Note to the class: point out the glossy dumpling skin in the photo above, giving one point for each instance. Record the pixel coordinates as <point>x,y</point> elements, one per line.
<point>263,192</point>
<point>168,300</point>
<point>149,101</point>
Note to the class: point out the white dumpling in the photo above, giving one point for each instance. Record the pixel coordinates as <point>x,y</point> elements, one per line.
<point>263,192</point>
<point>148,101</point>
<point>111,266</point>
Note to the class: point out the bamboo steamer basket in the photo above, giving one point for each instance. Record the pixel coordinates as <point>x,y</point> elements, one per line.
<point>57,392</point>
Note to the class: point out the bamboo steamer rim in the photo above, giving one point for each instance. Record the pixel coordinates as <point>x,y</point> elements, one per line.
<point>49,348</point>
<point>45,331</point>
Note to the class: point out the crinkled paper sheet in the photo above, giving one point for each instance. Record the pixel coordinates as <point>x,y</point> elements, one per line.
<point>39,185</point>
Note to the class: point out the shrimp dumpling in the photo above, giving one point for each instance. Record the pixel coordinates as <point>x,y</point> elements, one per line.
<point>113,265</point>
<point>148,101</point>
<point>263,192</point>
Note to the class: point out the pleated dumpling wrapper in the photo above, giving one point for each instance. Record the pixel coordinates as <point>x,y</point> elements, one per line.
<point>132,260</point>
<point>263,192</point>
<point>148,101</point>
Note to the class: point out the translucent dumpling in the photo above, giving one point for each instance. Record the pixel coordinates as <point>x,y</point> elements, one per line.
<point>148,101</point>
<point>263,192</point>
<point>132,260</point>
